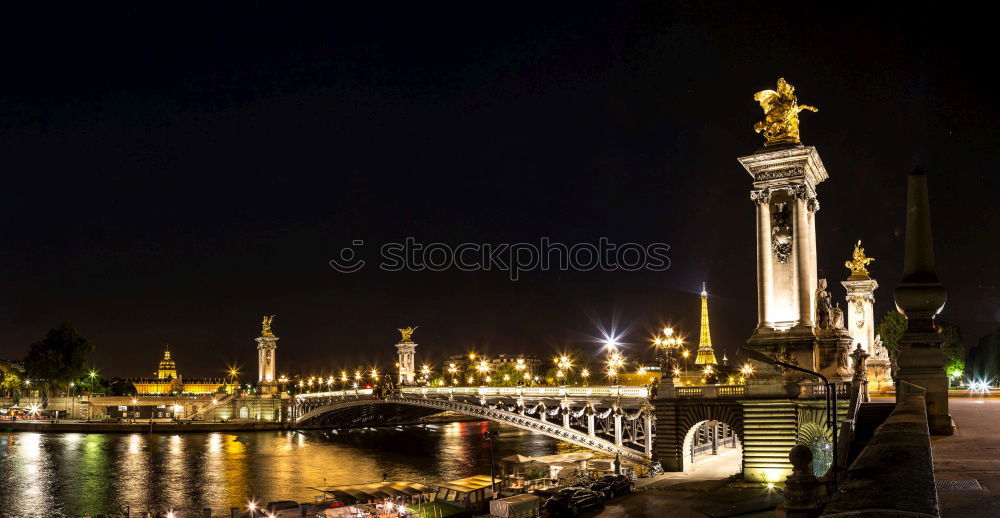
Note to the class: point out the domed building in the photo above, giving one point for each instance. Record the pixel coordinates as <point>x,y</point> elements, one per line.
<point>167,381</point>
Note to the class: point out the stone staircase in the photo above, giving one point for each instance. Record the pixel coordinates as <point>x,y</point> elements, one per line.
<point>870,417</point>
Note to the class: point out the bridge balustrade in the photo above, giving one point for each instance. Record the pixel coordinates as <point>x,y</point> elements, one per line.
<point>597,391</point>
<point>336,393</point>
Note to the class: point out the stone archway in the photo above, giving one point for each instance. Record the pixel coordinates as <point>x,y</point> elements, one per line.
<point>244,412</point>
<point>722,436</point>
<point>675,420</point>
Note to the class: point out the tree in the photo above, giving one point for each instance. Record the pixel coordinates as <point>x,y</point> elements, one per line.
<point>953,349</point>
<point>57,359</point>
<point>891,329</point>
<point>893,325</point>
<point>10,382</point>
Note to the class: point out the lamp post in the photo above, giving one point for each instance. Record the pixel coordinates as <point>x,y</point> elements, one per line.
<point>490,436</point>
<point>616,362</point>
<point>831,399</point>
<point>666,347</point>
<point>483,368</point>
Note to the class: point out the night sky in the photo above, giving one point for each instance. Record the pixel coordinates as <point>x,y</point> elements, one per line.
<point>172,175</point>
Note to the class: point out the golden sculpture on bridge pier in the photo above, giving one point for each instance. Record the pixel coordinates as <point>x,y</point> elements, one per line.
<point>406,333</point>
<point>781,114</point>
<point>858,263</point>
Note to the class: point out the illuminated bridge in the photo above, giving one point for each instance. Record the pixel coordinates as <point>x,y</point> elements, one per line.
<point>611,420</point>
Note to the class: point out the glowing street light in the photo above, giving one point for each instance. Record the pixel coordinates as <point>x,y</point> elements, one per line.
<point>585,373</point>
<point>616,362</point>
<point>746,370</point>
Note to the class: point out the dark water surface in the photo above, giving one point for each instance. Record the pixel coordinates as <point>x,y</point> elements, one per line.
<point>71,474</point>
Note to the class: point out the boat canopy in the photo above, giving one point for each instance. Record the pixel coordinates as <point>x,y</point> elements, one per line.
<point>362,493</point>
<point>469,484</point>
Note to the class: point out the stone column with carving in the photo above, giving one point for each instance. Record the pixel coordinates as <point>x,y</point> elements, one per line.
<point>860,287</point>
<point>784,189</point>
<point>267,344</point>
<point>765,273</point>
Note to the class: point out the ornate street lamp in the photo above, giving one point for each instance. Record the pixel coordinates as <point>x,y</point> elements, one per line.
<point>667,346</point>
<point>616,363</point>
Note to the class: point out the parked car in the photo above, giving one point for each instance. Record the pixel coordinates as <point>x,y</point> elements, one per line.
<point>613,485</point>
<point>571,501</point>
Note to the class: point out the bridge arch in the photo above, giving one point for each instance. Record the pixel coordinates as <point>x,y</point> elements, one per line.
<point>720,434</point>
<point>678,420</point>
<point>380,411</point>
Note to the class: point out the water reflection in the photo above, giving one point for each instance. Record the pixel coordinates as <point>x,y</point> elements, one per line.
<point>75,474</point>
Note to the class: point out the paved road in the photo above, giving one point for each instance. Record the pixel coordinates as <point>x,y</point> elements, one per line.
<point>972,453</point>
<point>680,494</point>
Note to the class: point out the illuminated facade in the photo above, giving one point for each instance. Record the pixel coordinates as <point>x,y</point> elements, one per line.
<point>167,381</point>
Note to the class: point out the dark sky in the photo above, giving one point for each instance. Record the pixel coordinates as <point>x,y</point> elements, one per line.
<point>172,175</point>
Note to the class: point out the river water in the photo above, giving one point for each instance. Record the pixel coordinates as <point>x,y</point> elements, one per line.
<point>72,474</point>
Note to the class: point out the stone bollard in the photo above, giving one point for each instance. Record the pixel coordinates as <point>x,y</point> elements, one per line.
<point>801,487</point>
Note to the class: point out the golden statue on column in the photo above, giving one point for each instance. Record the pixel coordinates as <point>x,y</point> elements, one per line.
<point>781,114</point>
<point>406,333</point>
<point>265,326</point>
<point>858,263</point>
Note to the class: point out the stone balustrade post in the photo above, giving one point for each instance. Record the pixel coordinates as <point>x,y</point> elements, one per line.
<point>801,487</point>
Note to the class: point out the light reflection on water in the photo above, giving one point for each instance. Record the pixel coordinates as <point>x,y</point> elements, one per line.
<point>75,474</point>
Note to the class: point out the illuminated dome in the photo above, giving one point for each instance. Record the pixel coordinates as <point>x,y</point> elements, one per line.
<point>167,367</point>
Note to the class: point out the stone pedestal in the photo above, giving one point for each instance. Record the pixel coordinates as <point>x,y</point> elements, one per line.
<point>802,489</point>
<point>266,358</point>
<point>834,350</point>
<point>407,367</point>
<point>860,311</point>
<point>921,296</point>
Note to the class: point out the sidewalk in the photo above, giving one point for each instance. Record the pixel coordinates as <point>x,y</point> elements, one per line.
<point>971,455</point>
